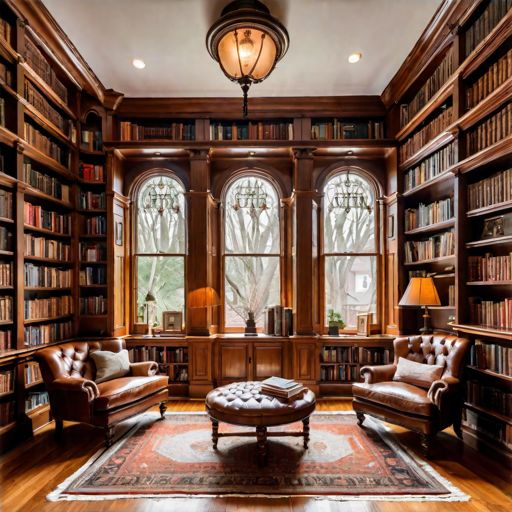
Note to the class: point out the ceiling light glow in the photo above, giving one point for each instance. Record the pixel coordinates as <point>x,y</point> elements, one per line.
<point>138,63</point>
<point>354,57</point>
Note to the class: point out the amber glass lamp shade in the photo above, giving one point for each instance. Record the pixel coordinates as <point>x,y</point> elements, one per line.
<point>421,291</point>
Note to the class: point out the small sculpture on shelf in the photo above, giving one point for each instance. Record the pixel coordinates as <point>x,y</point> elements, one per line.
<point>250,325</point>
<point>335,322</point>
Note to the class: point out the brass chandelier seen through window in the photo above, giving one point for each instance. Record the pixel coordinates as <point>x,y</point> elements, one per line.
<point>247,42</point>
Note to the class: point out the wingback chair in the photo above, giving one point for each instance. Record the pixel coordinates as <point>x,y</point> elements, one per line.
<point>426,411</point>
<point>68,373</point>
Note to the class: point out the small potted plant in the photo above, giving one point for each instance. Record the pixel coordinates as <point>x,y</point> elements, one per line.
<point>335,322</point>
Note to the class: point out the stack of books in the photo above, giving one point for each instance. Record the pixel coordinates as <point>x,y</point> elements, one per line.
<point>287,389</point>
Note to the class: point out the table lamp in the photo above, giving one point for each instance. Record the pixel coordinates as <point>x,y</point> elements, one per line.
<point>421,291</point>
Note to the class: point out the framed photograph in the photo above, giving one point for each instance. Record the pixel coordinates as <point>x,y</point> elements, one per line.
<point>364,323</point>
<point>172,322</point>
<point>118,233</point>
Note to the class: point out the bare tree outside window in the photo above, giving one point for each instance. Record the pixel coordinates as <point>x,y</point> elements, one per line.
<point>350,250</point>
<point>251,249</point>
<point>160,245</point>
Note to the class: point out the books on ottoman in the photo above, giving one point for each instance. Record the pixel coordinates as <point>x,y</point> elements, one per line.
<point>287,389</point>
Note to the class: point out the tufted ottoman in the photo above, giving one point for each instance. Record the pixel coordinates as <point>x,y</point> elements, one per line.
<point>243,403</point>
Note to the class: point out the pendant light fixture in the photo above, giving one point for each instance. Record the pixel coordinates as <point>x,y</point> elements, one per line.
<point>247,42</point>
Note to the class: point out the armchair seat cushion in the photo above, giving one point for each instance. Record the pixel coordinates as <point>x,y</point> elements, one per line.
<point>396,395</point>
<point>126,390</point>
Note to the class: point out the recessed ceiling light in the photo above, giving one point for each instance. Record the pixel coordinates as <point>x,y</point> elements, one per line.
<point>252,153</point>
<point>354,57</point>
<point>350,152</point>
<point>138,63</point>
<point>157,153</point>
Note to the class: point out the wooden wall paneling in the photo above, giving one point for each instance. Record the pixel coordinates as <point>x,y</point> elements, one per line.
<point>305,361</point>
<point>268,359</point>
<point>391,271</point>
<point>200,366</point>
<point>235,360</point>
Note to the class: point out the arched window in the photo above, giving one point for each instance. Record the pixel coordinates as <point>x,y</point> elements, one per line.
<point>160,242</point>
<point>350,247</point>
<point>251,250</point>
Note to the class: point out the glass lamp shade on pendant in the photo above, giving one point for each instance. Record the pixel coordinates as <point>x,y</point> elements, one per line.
<point>247,42</point>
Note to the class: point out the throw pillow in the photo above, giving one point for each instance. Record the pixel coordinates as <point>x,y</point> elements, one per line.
<point>110,365</point>
<point>418,374</point>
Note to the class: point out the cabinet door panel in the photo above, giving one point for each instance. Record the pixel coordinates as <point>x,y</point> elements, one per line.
<point>304,362</point>
<point>268,360</point>
<point>234,362</point>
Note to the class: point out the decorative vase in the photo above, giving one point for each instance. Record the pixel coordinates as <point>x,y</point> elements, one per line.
<point>334,330</point>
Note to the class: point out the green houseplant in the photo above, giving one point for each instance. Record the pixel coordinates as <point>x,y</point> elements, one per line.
<point>335,322</point>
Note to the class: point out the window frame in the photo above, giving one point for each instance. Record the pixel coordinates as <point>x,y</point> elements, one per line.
<point>135,192</point>
<point>235,176</point>
<point>377,254</point>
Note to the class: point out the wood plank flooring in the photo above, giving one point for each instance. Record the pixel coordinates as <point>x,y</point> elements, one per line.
<point>30,471</point>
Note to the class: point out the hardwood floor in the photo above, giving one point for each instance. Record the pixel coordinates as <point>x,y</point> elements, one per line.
<point>29,472</point>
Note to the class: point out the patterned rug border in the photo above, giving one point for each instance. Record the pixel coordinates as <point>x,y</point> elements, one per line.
<point>59,494</point>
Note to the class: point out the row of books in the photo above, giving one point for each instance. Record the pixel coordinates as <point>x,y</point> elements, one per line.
<point>93,275</point>
<point>92,200</point>
<point>5,204</point>
<point>40,103</point>
<point>428,214</point>
<point>32,373</point>
<point>35,335</point>
<point>251,131</point>
<point>93,251</point>
<point>340,130</point>
<point>35,399</point>
<point>41,247</point>
<point>44,144</point>
<point>6,30</point>
<point>490,313</point>
<point>492,190</point>
<point>490,268</point>
<point>159,354</point>
<point>451,295</point>
<point>5,309</point>
<point>35,215</point>
<point>94,305</point>
<point>492,130</point>
<point>37,61</point>
<point>91,140</point>
<point>5,339</point>
<point>491,356</point>
<point>496,75</point>
<point>96,225</point>
<point>172,131</point>
<point>47,277</point>
<point>345,373</point>
<point>6,382</point>
<point>6,274</point>
<point>37,309</point>
<point>437,246</point>
<point>6,74</point>
<point>491,428</point>
<point>430,167</point>
<point>2,112</point>
<point>427,133</point>
<point>7,412</point>
<point>484,24</point>
<point>5,239</point>
<point>45,183</point>
<point>91,172</point>
<point>429,89</point>
<point>285,389</point>
<point>489,397</point>
<point>278,321</point>
<point>361,355</point>
<point>178,374</point>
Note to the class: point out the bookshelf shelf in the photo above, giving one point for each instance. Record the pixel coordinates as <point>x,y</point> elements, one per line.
<point>440,178</point>
<point>433,260</point>
<point>442,308</point>
<point>90,152</point>
<point>7,393</point>
<point>8,52</point>
<point>33,384</point>
<point>7,137</point>
<point>47,260</point>
<point>482,330</point>
<point>489,412</point>
<point>92,286</point>
<point>48,232</point>
<point>489,283</point>
<point>6,322</point>
<point>91,183</point>
<point>6,220</point>
<point>500,150</point>
<point>439,226</point>
<point>490,241</point>
<point>43,159</point>
<point>48,319</point>
<point>6,253</point>
<point>46,124</point>
<point>92,212</point>
<point>33,192</point>
<point>491,374</point>
<point>47,289</point>
<point>38,409</point>
<point>489,209</point>
<point>103,262</point>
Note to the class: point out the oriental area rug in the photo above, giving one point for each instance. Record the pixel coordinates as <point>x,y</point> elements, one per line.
<point>174,458</point>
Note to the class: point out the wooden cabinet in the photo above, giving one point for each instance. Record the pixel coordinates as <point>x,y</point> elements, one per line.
<point>200,366</point>
<point>267,360</point>
<point>235,361</point>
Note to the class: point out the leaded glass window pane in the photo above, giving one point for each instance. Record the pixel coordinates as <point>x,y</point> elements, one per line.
<point>161,225</point>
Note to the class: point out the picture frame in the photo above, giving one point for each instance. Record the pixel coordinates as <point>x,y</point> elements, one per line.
<point>172,322</point>
<point>118,233</point>
<point>364,323</point>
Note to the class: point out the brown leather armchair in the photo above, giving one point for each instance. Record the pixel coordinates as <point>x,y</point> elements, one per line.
<point>68,373</point>
<point>426,411</point>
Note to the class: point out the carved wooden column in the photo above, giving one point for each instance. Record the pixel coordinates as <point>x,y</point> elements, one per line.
<point>199,290</point>
<point>305,265</point>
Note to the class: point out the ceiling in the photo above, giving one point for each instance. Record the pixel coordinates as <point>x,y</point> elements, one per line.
<point>169,35</point>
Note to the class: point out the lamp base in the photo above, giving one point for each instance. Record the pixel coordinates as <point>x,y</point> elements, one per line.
<point>426,329</point>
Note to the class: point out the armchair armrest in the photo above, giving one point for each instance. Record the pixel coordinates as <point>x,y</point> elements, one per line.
<point>76,385</point>
<point>373,374</point>
<point>143,369</point>
<point>441,390</point>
